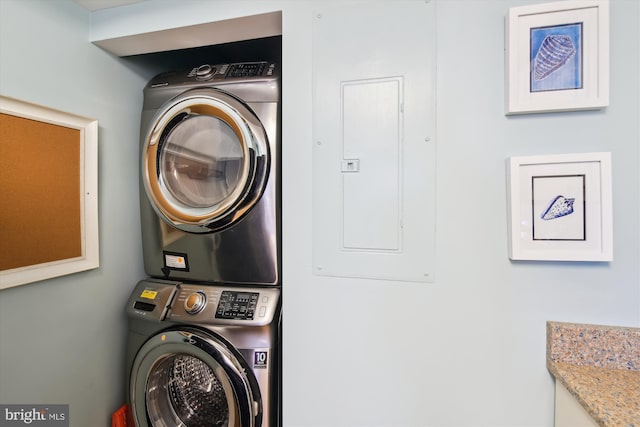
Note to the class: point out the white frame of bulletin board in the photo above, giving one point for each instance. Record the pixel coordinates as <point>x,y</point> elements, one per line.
<point>560,207</point>
<point>557,57</point>
<point>85,233</point>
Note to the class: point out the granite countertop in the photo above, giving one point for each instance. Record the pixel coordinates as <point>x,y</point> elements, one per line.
<point>600,366</point>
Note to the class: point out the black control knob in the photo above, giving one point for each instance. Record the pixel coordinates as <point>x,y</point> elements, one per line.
<point>205,72</point>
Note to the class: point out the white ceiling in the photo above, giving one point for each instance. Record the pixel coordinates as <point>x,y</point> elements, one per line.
<point>104,4</point>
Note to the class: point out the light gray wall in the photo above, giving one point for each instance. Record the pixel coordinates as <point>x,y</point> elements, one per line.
<point>467,350</point>
<point>61,340</point>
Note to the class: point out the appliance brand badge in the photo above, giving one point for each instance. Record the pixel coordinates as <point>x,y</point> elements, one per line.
<point>34,415</point>
<point>260,359</point>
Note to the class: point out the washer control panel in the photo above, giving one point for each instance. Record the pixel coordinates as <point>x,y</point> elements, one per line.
<point>223,305</point>
<point>237,305</point>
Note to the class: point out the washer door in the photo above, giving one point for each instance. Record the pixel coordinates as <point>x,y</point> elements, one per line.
<point>205,160</point>
<point>191,378</point>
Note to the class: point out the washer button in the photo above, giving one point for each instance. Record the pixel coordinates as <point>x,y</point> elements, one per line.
<point>195,302</point>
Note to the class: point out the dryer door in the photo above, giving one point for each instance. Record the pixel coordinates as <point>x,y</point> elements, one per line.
<point>190,378</point>
<point>205,160</point>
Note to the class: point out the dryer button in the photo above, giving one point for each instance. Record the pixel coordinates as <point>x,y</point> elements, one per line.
<point>205,72</point>
<point>195,303</point>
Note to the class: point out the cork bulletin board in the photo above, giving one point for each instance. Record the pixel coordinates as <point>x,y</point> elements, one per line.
<point>48,193</point>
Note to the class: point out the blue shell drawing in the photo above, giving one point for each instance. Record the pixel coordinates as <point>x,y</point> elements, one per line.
<point>554,52</point>
<point>560,206</point>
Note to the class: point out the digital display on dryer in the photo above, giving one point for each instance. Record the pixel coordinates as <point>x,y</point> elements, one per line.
<point>247,69</point>
<point>237,305</point>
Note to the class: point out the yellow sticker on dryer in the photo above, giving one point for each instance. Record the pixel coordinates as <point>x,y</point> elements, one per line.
<point>149,294</point>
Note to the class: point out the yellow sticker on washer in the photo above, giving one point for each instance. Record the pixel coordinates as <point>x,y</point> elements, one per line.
<point>149,294</point>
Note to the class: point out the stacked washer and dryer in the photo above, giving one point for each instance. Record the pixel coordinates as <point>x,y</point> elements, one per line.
<point>203,344</point>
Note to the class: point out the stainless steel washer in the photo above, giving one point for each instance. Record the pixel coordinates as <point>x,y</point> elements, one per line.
<point>210,174</point>
<point>203,355</point>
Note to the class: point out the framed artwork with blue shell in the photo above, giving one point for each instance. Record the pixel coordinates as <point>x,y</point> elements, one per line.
<point>560,207</point>
<point>557,57</point>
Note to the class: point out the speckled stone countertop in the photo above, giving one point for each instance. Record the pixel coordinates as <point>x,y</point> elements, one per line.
<point>600,366</point>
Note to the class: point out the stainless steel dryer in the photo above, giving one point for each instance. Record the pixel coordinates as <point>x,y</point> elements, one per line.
<point>210,174</point>
<point>203,355</point>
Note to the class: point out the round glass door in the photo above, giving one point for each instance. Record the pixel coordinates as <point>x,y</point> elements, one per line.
<point>187,378</point>
<point>205,161</point>
<point>201,161</point>
<point>183,390</point>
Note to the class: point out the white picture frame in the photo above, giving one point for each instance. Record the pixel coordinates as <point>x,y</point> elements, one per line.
<point>560,207</point>
<point>557,57</point>
<point>86,233</point>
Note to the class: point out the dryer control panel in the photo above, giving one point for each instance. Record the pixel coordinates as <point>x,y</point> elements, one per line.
<point>217,73</point>
<point>230,71</point>
<point>209,304</point>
